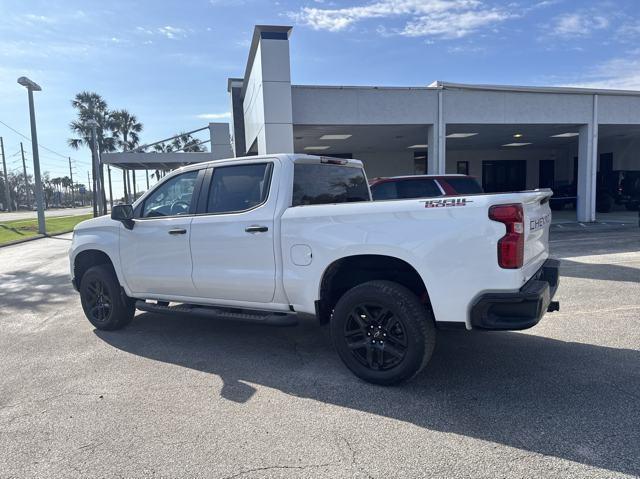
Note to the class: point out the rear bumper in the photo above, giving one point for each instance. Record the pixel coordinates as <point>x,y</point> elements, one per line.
<point>522,309</point>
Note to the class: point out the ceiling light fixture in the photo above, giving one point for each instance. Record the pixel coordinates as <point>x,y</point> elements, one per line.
<point>518,135</point>
<point>461,135</point>
<point>418,146</point>
<point>565,135</point>
<point>335,137</point>
<point>316,148</point>
<point>517,144</point>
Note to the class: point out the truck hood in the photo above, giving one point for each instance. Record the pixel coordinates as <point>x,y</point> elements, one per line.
<point>94,223</point>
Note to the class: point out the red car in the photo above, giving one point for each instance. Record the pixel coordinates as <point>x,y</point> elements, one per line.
<point>423,186</point>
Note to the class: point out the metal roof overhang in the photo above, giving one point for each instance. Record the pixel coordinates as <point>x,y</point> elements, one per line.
<point>155,161</point>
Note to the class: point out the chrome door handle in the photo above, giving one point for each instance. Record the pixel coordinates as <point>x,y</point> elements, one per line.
<point>256,229</point>
<point>177,231</point>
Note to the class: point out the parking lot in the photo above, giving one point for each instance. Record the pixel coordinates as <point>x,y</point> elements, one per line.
<point>185,397</point>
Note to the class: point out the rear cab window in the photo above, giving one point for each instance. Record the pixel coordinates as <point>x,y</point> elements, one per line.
<point>317,184</point>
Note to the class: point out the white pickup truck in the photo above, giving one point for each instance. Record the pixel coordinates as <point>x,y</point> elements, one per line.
<point>275,238</point>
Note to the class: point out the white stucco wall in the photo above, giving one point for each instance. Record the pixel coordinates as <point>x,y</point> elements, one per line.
<point>386,163</point>
<point>363,106</point>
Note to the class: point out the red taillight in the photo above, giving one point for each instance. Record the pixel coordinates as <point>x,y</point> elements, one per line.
<point>511,245</point>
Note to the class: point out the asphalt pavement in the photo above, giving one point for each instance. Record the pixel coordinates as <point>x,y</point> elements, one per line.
<point>186,397</point>
<point>26,215</point>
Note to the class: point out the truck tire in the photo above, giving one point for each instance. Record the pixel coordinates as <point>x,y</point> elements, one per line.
<point>382,332</point>
<point>102,301</point>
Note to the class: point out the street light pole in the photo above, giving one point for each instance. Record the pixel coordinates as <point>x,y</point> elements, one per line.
<point>31,87</point>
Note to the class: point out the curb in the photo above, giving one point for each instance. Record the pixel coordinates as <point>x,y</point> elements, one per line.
<point>33,238</point>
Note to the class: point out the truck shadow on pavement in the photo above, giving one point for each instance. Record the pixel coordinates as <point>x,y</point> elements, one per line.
<point>604,271</point>
<point>573,401</point>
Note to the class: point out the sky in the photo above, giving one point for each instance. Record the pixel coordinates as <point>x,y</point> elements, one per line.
<point>167,61</point>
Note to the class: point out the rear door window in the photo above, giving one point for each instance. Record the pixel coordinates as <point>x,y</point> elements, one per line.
<point>238,188</point>
<point>316,184</point>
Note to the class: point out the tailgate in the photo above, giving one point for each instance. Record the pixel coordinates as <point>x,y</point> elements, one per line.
<point>537,222</point>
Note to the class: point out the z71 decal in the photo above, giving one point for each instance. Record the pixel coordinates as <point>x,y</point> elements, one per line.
<point>446,202</point>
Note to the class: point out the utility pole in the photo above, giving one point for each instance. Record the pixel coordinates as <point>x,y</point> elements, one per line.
<point>89,186</point>
<point>7,193</point>
<point>110,189</point>
<point>147,171</point>
<point>73,200</point>
<point>26,181</point>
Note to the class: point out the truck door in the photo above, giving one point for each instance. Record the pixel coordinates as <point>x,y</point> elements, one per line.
<point>232,236</point>
<point>155,254</point>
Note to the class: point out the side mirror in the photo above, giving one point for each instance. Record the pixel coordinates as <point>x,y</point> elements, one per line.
<point>124,214</point>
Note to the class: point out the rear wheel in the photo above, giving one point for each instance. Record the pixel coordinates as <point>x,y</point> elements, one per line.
<point>382,332</point>
<point>102,301</point>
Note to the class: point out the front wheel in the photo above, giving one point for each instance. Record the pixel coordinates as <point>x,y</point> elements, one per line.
<point>102,301</point>
<point>382,332</point>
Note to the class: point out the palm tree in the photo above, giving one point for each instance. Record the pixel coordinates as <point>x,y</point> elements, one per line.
<point>125,127</point>
<point>186,142</point>
<point>91,106</point>
<point>181,142</point>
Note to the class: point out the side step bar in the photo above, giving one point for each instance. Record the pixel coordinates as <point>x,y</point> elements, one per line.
<point>229,314</point>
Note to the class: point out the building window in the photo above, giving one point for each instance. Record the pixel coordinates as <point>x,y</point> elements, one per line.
<point>463,168</point>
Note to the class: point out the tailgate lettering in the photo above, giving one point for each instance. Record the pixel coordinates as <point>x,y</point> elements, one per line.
<point>538,223</point>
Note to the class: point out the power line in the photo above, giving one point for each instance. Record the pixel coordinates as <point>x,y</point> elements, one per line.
<point>27,138</point>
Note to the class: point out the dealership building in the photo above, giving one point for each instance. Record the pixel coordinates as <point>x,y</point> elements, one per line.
<point>509,137</point>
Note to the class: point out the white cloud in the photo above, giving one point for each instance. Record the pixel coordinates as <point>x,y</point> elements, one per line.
<point>617,73</point>
<point>453,25</point>
<point>172,32</point>
<point>438,18</point>
<point>628,32</point>
<point>214,116</point>
<point>32,18</point>
<point>579,24</point>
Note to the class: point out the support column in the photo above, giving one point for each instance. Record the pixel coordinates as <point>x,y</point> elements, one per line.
<point>437,141</point>
<point>135,188</point>
<point>124,185</point>
<point>588,167</point>
<point>110,187</point>
<point>267,91</point>
<point>220,141</point>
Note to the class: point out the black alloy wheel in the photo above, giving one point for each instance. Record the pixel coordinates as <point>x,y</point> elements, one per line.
<point>376,336</point>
